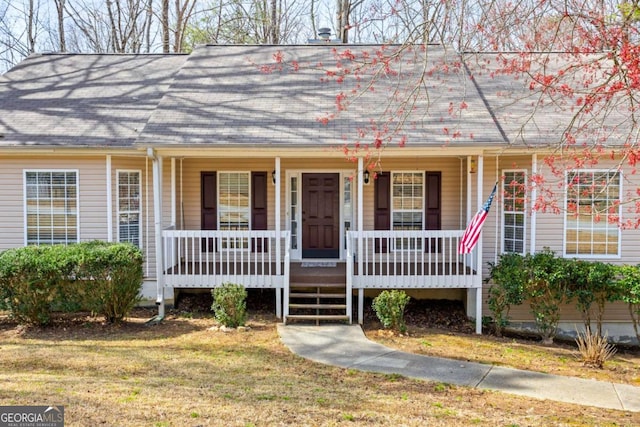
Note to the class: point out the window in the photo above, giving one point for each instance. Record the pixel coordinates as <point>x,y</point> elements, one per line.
<point>513,214</point>
<point>347,206</point>
<point>407,201</point>
<point>234,208</point>
<point>293,212</point>
<point>51,207</point>
<point>592,196</point>
<point>129,207</point>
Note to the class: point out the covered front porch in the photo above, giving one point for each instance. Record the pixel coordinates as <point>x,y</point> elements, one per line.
<point>204,250</point>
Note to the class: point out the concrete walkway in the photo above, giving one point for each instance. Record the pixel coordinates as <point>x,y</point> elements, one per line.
<point>347,346</point>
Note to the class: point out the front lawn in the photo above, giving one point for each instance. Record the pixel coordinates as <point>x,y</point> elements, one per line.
<point>183,373</point>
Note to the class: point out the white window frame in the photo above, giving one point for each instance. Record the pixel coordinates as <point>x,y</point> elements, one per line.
<point>139,211</point>
<point>396,245</point>
<point>617,255</point>
<point>26,208</point>
<point>236,244</point>
<point>505,185</point>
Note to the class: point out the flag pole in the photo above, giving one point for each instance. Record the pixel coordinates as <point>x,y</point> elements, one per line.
<point>478,278</point>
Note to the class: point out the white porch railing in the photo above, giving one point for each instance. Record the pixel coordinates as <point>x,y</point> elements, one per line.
<point>208,258</point>
<point>410,259</point>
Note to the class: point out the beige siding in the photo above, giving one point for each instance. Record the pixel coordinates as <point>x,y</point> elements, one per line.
<point>453,188</point>
<point>191,184</point>
<point>453,184</point>
<point>550,234</point>
<point>91,190</point>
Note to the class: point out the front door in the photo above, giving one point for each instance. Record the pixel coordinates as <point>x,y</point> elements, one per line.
<point>320,215</point>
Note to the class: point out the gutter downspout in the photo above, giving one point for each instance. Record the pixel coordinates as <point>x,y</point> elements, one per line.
<point>157,215</point>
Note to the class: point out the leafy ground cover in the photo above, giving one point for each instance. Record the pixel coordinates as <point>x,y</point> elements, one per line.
<point>185,372</point>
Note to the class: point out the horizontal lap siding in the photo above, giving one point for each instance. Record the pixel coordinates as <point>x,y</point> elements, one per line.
<point>550,234</point>
<point>91,190</point>
<point>453,188</point>
<point>191,169</point>
<point>614,312</point>
<point>12,201</point>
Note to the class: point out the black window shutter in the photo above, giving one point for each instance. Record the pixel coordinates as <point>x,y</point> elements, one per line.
<point>432,207</point>
<point>259,206</point>
<point>208,206</point>
<point>382,207</point>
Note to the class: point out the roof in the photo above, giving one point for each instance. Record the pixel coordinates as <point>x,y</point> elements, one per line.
<point>536,118</point>
<point>273,96</point>
<point>82,100</point>
<point>243,95</point>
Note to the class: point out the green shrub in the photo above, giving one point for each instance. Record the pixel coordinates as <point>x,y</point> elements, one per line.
<point>29,281</point>
<point>546,289</point>
<point>592,285</point>
<point>389,307</point>
<point>102,277</point>
<point>628,284</point>
<point>230,304</point>
<point>111,278</point>
<point>509,277</point>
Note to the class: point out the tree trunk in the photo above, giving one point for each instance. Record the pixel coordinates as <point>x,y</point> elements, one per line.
<point>165,26</point>
<point>31,38</point>
<point>61,36</point>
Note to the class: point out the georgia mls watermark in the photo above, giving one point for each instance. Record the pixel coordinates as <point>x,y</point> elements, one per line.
<point>31,416</point>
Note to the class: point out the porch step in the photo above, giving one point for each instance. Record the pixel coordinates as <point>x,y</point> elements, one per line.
<point>319,306</point>
<point>316,295</point>
<point>310,285</point>
<point>317,317</point>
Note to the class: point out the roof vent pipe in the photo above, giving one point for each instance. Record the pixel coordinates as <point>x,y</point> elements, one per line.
<point>324,33</point>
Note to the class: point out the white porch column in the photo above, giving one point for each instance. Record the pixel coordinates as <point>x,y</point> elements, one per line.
<point>157,217</point>
<point>278,197</point>
<point>534,196</point>
<point>109,200</point>
<point>479,246</point>
<point>174,201</point>
<point>360,230</point>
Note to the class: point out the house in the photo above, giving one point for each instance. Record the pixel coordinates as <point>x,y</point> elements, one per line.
<point>229,165</point>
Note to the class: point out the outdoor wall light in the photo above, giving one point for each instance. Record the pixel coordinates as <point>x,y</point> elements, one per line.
<point>365,175</point>
<point>273,177</point>
<point>473,168</point>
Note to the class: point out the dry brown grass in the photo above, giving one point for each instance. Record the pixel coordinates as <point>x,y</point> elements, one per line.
<point>559,358</point>
<point>180,373</point>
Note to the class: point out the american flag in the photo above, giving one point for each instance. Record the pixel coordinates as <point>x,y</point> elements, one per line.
<point>472,233</point>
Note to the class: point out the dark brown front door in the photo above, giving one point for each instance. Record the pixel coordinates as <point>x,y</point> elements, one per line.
<point>320,215</point>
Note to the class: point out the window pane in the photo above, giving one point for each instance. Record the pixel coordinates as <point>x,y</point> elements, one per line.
<point>513,215</point>
<point>51,206</point>
<point>234,206</point>
<point>590,197</point>
<point>129,215</point>
<point>408,205</point>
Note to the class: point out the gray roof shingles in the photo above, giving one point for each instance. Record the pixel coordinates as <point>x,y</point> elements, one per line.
<point>82,100</point>
<point>220,96</point>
